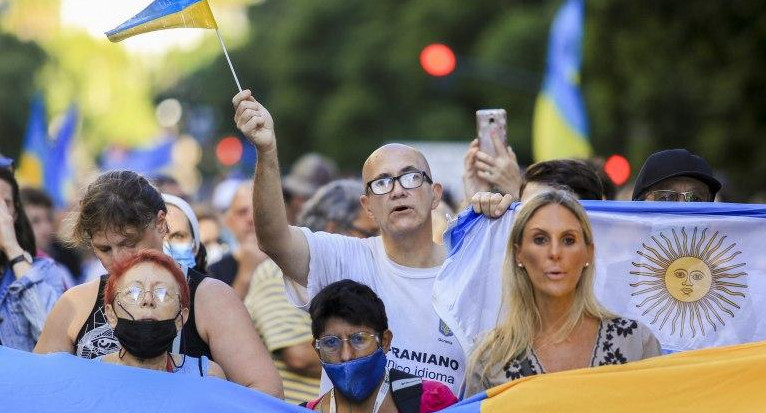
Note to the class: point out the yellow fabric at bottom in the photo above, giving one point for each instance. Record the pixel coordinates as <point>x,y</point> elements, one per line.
<point>724,379</point>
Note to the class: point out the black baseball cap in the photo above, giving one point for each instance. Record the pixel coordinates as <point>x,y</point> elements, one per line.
<point>671,163</point>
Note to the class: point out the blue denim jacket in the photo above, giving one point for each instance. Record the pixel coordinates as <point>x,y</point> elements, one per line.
<point>25,302</point>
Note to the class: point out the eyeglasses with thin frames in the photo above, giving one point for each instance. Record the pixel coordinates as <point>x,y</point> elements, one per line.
<point>408,180</point>
<point>330,346</point>
<point>134,294</point>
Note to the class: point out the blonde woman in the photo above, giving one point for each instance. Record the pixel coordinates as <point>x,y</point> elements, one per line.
<point>553,321</point>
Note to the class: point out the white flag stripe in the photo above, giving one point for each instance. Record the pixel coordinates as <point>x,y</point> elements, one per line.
<point>695,273</point>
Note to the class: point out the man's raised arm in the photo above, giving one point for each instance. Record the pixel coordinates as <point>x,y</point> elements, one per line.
<point>286,245</point>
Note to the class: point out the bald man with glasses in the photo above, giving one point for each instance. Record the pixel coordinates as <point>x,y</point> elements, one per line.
<point>400,265</point>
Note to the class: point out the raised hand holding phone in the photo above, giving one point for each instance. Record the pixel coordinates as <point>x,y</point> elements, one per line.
<point>495,162</point>
<point>490,124</point>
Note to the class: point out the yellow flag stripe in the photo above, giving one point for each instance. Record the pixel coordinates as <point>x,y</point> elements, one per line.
<point>30,172</point>
<point>553,138</point>
<point>722,379</point>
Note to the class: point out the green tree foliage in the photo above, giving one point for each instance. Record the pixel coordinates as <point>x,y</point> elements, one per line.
<point>671,74</point>
<point>20,62</point>
<point>341,77</point>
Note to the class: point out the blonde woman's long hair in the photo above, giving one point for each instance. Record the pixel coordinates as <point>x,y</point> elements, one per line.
<point>516,332</point>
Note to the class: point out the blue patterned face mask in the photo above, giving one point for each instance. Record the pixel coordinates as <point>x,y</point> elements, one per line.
<point>356,379</point>
<point>181,253</point>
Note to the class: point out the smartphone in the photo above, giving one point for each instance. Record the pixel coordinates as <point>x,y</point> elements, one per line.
<point>490,123</point>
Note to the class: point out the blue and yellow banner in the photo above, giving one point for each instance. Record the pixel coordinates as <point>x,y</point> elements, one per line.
<point>725,379</point>
<point>166,14</point>
<point>560,124</point>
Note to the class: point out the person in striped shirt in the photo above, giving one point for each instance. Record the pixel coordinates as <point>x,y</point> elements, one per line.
<point>284,328</point>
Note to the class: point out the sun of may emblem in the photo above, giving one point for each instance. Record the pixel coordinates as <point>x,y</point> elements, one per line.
<point>689,281</point>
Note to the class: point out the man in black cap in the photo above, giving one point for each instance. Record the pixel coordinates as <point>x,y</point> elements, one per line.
<point>675,175</point>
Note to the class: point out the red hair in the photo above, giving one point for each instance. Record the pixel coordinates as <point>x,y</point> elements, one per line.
<point>155,257</point>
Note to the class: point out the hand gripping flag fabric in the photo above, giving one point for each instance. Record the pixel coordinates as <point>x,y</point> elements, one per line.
<point>63,383</point>
<point>725,379</point>
<point>166,14</point>
<point>694,273</point>
<point>560,124</point>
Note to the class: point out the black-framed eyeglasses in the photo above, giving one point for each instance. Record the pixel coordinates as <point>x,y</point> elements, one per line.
<point>408,180</point>
<point>330,346</point>
<point>667,195</point>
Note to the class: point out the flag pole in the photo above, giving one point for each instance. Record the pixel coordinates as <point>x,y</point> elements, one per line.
<point>226,53</point>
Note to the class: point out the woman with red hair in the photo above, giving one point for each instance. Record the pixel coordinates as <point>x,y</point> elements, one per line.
<point>147,303</point>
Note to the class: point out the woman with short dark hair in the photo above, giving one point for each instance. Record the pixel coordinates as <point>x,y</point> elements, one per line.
<point>351,337</point>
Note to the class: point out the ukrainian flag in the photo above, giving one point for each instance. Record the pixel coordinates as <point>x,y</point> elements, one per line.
<point>59,169</point>
<point>723,379</point>
<point>560,125</point>
<point>166,14</point>
<point>34,155</point>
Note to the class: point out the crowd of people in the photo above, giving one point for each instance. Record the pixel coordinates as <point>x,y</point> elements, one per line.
<point>317,288</point>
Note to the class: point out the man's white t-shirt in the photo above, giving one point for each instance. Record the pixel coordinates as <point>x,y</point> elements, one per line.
<point>422,345</point>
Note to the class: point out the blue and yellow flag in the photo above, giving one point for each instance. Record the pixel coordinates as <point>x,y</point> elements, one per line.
<point>35,151</point>
<point>166,14</point>
<point>58,169</point>
<point>560,125</point>
<point>724,379</point>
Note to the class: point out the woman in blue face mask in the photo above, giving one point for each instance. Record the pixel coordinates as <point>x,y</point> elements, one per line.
<point>183,239</point>
<point>351,337</point>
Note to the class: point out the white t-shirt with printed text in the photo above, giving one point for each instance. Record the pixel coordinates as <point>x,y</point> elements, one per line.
<point>422,345</point>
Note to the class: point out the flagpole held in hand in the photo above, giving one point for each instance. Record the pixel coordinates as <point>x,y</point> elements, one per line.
<point>226,53</point>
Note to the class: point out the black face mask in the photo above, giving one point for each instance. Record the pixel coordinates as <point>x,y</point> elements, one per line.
<point>146,339</point>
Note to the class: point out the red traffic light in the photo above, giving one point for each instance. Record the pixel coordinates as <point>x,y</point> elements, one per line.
<point>228,151</point>
<point>618,169</point>
<point>438,60</point>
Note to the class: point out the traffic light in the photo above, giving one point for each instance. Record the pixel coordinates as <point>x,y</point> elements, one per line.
<point>228,151</point>
<point>618,169</point>
<point>438,60</point>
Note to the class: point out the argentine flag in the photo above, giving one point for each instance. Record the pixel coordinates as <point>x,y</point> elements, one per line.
<point>695,273</point>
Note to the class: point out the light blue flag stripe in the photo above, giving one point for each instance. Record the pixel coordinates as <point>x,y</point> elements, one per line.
<point>61,383</point>
<point>564,63</point>
<point>157,9</point>
<point>468,218</point>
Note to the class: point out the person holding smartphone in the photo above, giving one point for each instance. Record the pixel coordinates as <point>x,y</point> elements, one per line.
<point>490,164</point>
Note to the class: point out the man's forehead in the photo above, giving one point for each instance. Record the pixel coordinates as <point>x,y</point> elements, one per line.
<point>393,159</point>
